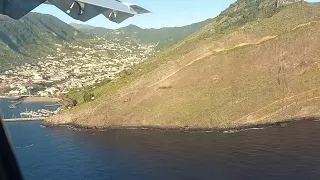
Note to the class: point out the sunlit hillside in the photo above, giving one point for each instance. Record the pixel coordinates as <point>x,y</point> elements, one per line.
<point>246,67</point>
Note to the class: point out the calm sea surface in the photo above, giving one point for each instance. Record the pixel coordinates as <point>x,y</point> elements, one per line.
<point>272,153</point>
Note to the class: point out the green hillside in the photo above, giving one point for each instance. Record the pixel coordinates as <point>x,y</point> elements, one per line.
<point>82,26</point>
<point>164,37</point>
<point>236,71</point>
<point>20,40</point>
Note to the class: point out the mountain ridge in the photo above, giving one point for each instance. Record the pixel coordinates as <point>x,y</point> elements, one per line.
<point>164,37</point>
<point>20,39</point>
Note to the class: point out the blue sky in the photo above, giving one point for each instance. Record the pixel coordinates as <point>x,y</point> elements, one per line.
<point>165,13</point>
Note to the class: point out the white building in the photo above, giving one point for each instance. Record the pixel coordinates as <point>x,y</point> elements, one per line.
<point>51,90</point>
<point>43,93</point>
<point>37,77</point>
<point>23,89</point>
<point>14,92</point>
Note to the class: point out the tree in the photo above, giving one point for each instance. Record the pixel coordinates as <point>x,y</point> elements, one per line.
<point>88,97</point>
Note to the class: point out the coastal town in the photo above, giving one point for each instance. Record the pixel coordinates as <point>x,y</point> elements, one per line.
<point>74,65</point>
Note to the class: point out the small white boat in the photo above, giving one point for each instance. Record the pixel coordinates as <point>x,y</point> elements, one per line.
<point>30,114</point>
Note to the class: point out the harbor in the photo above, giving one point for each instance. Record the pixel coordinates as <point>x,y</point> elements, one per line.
<point>39,115</point>
<point>26,110</point>
<point>42,113</point>
<point>12,98</point>
<point>24,119</point>
<point>14,104</point>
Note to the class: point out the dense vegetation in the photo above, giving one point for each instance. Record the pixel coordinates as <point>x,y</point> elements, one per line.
<point>20,40</point>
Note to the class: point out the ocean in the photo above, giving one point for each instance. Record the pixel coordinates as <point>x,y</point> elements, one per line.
<point>59,153</point>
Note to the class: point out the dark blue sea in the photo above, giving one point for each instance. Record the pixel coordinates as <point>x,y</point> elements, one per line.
<point>59,153</point>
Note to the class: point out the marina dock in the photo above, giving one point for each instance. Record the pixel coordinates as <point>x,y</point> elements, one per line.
<point>15,104</point>
<point>24,119</point>
<point>12,98</point>
<point>52,105</point>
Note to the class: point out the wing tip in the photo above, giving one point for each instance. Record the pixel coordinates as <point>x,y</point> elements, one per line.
<point>139,9</point>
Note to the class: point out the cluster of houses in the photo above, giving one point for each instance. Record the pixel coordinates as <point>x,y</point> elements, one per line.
<point>74,65</point>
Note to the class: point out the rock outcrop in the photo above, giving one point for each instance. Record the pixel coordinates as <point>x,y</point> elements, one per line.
<point>286,2</point>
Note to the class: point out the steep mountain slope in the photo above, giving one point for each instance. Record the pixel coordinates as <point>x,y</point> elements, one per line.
<point>99,31</point>
<point>82,26</point>
<point>164,37</point>
<point>20,39</point>
<point>234,72</point>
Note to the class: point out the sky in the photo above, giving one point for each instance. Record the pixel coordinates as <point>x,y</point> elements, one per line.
<point>165,13</point>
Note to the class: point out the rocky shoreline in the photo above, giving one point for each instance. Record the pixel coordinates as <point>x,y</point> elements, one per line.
<point>279,124</point>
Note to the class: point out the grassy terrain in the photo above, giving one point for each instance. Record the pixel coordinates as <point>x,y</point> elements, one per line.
<point>244,71</point>
<point>255,29</point>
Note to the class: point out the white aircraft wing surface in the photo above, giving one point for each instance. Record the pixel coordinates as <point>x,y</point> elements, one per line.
<point>82,10</point>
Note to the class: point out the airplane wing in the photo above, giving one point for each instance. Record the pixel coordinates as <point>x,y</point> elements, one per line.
<point>119,16</point>
<point>82,10</point>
